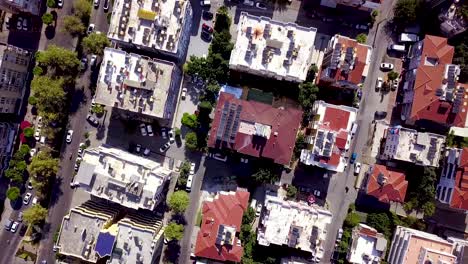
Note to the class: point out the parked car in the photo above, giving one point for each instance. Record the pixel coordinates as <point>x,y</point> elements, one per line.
<point>84,64</point>
<point>353,158</point>
<point>69,136</point>
<point>146,152</point>
<point>379,84</point>
<point>207,28</point>
<point>386,66</point>
<point>183,94</point>
<point>91,28</point>
<point>357,168</point>
<point>249,3</point>
<point>42,140</point>
<point>149,128</point>
<point>106,5</point>
<point>8,224</point>
<point>394,85</point>
<point>207,15</point>
<point>206,36</point>
<point>380,114</point>
<point>192,168</point>
<point>60,3</point>
<point>34,200</point>
<point>164,133</point>
<point>29,185</point>
<point>39,122</point>
<point>27,198</point>
<point>188,186</point>
<point>92,120</point>
<point>37,134</point>
<point>25,24</point>
<point>363,27</point>
<point>165,147</point>
<point>258,210</point>
<point>138,148</point>
<point>143,130</point>
<point>7,22</point>
<point>96,4</point>
<point>260,6</point>
<point>339,235</point>
<point>93,60</point>
<point>171,136</point>
<point>32,152</point>
<point>20,217</point>
<point>19,23</point>
<point>14,227</point>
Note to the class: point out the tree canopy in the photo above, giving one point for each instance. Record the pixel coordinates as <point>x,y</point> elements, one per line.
<point>291,192</point>
<point>51,97</point>
<point>265,175</point>
<point>422,196</point>
<point>47,18</point>
<point>179,201</point>
<point>189,120</point>
<point>82,8</point>
<point>73,25</point>
<point>405,12</point>
<point>191,141</point>
<point>95,43</point>
<point>35,214</point>
<point>174,231</point>
<point>392,75</point>
<point>43,167</point>
<point>307,95</point>
<point>13,193</point>
<point>58,59</point>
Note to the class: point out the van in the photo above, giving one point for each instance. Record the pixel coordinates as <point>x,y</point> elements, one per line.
<point>205,3</point>
<point>354,128</point>
<point>408,37</point>
<point>396,47</point>
<point>188,187</point>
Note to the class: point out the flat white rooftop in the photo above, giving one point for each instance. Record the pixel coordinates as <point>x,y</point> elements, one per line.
<point>116,175</point>
<point>155,24</point>
<point>294,224</point>
<point>135,83</point>
<point>273,49</point>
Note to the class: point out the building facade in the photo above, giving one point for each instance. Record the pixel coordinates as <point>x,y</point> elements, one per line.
<point>358,4</point>
<point>32,7</point>
<point>7,142</point>
<point>272,49</point>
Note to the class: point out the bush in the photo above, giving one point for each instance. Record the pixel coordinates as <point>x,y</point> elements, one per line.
<point>392,75</point>
<point>28,132</point>
<point>352,220</point>
<point>179,201</point>
<point>174,231</point>
<point>98,109</point>
<point>51,3</point>
<point>37,70</point>
<point>191,141</point>
<point>361,38</point>
<point>13,193</point>
<point>189,120</point>
<point>291,192</point>
<point>47,18</point>
<point>177,132</point>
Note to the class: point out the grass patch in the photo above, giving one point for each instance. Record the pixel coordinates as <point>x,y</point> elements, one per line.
<point>260,96</point>
<point>199,218</point>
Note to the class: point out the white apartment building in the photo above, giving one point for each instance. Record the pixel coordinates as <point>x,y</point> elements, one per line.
<point>113,174</point>
<point>409,145</point>
<point>293,224</point>
<point>138,84</point>
<point>359,4</point>
<point>410,246</point>
<point>7,141</point>
<point>367,246</point>
<point>159,26</point>
<point>273,49</point>
<point>453,184</point>
<point>14,72</point>
<point>32,7</point>
<point>329,136</point>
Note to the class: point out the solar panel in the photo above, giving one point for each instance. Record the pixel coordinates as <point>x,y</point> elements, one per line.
<point>335,60</point>
<point>105,244</point>
<point>222,122</point>
<point>235,125</point>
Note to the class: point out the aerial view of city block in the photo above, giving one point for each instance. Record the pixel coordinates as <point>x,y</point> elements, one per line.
<point>234,131</point>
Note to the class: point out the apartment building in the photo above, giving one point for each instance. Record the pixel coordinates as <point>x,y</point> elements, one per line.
<point>117,176</point>
<point>409,145</point>
<point>367,245</point>
<point>138,85</point>
<point>7,141</point>
<point>273,49</point>
<point>293,224</point>
<point>453,183</point>
<point>157,26</point>
<point>328,136</point>
<point>32,7</point>
<point>411,246</point>
<point>386,184</point>
<point>358,4</point>
<point>432,94</point>
<point>14,72</point>
<point>345,63</point>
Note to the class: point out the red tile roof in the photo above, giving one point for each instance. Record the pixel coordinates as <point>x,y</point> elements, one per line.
<point>227,209</point>
<point>335,119</point>
<point>284,123</point>
<point>460,192</point>
<point>394,188</point>
<point>426,104</point>
<point>360,50</point>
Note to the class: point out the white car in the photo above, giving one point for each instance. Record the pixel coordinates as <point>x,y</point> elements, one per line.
<point>92,61</point>
<point>14,227</point>
<point>27,198</point>
<point>19,23</point>
<point>165,147</point>
<point>39,122</point>
<point>150,130</point>
<point>69,136</point>
<point>183,95</point>
<point>143,130</point>
<point>164,133</point>
<point>357,168</point>
<point>260,6</point>
<point>91,28</point>
<point>171,136</point>
<point>32,152</point>
<point>258,210</point>
<point>96,3</point>
<point>25,24</point>
<point>29,185</point>
<point>37,134</point>
<point>146,152</point>
<point>249,3</point>
<point>34,201</point>
<point>386,66</point>
<point>379,83</point>
<point>188,187</point>
<point>60,3</point>
<point>192,168</point>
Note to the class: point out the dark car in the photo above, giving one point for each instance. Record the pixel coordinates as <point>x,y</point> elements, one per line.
<point>93,121</point>
<point>106,5</point>
<point>207,28</point>
<point>84,64</point>
<point>380,114</point>
<point>207,15</point>
<point>206,36</point>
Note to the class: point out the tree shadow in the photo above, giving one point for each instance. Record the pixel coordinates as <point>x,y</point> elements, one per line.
<point>179,219</point>
<point>172,252</point>
<point>78,99</point>
<point>101,132</point>
<point>56,191</point>
<point>50,32</point>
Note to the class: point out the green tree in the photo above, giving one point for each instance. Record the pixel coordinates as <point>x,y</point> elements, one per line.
<point>174,231</point>
<point>98,109</point>
<point>223,20</point>
<point>28,132</point>
<point>191,141</point>
<point>14,175</point>
<point>291,192</point>
<point>307,95</point>
<point>185,169</point>
<point>58,59</point>
<point>249,216</point>
<point>35,214</point>
<point>50,96</point>
<point>177,132</point>
<point>37,70</point>
<point>392,75</point>
<point>405,12</point>
<point>361,38</point>
<point>352,220</point>
<point>95,43</point>
<point>381,222</point>
<point>13,193</point>
<point>82,8</point>
<point>299,145</point>
<point>189,120</point>
<point>73,25</point>
<point>179,201</point>
<point>47,18</point>
<point>51,3</point>
<point>32,100</point>
<point>43,168</point>
<point>265,175</point>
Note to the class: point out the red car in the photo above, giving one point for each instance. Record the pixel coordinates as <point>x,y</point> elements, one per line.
<point>207,28</point>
